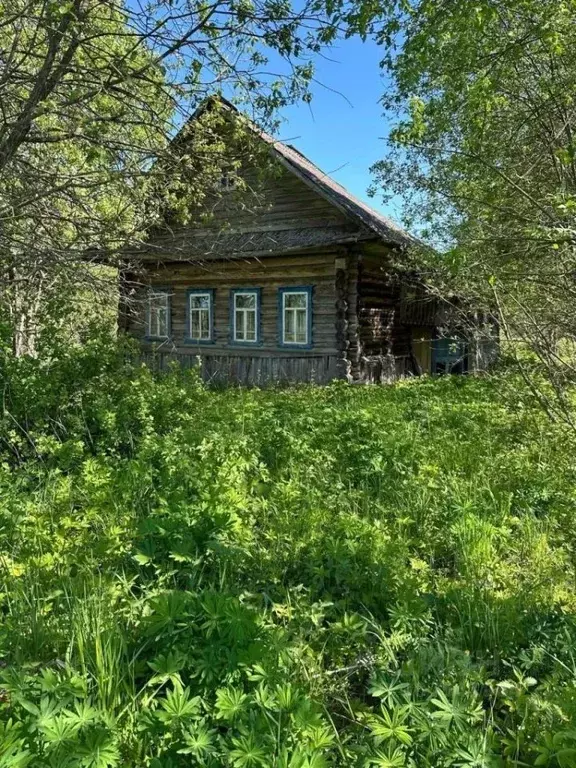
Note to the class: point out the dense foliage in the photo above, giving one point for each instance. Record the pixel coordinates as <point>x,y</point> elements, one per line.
<point>307,577</point>
<point>92,94</point>
<point>481,103</point>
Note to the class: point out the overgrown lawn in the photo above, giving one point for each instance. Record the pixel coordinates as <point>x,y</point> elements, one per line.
<point>339,576</point>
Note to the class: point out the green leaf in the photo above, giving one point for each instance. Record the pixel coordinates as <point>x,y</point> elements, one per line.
<point>391,725</point>
<point>142,559</point>
<point>230,703</point>
<point>177,706</point>
<point>199,741</point>
<point>98,751</point>
<point>247,753</point>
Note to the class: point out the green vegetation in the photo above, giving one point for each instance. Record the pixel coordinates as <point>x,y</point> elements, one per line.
<point>308,577</point>
<point>480,100</point>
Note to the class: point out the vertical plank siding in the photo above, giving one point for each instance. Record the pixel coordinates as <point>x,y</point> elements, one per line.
<point>249,370</point>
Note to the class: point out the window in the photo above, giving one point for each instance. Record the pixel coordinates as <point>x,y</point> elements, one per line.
<point>200,325</point>
<point>158,314</point>
<point>295,317</point>
<point>245,315</point>
<point>227,181</point>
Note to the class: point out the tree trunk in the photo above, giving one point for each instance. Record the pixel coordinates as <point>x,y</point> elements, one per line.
<point>24,300</point>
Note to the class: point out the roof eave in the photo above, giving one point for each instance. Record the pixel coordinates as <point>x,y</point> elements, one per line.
<point>341,201</point>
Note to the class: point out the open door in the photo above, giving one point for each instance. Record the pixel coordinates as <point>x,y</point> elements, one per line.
<point>422,348</point>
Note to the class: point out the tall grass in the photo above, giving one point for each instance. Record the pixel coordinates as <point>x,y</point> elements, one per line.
<point>304,577</point>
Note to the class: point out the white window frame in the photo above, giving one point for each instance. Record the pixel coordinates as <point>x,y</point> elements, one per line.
<point>307,309</point>
<point>153,313</point>
<point>210,309</point>
<point>245,311</point>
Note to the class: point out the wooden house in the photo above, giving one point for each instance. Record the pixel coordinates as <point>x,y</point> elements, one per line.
<point>302,284</point>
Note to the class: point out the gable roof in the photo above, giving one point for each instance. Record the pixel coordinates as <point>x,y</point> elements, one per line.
<point>386,229</point>
<point>297,163</point>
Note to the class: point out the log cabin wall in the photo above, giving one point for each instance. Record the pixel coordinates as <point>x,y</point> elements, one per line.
<point>284,231</point>
<point>381,337</point>
<point>378,297</point>
<point>344,319</point>
<point>274,214</point>
<point>276,200</point>
<point>277,223</point>
<point>354,349</point>
<point>222,359</point>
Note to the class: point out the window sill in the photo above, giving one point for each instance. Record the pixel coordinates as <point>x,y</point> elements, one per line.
<point>282,345</point>
<point>199,342</point>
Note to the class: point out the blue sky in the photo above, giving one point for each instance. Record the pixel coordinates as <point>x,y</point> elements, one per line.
<point>342,130</point>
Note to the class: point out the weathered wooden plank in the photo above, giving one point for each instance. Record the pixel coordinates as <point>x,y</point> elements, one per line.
<point>354,348</point>
<point>269,201</point>
<point>251,371</point>
<point>319,273</point>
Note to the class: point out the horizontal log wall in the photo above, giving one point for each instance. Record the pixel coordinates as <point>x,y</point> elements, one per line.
<point>274,202</point>
<point>385,339</point>
<point>275,205</point>
<point>248,364</point>
<point>378,304</point>
<point>354,350</point>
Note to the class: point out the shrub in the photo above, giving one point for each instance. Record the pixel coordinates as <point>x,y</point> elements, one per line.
<point>296,577</point>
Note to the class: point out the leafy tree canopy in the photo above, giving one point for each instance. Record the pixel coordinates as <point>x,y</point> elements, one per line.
<point>483,150</point>
<point>91,93</point>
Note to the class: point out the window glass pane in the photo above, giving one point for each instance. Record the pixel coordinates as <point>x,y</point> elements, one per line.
<point>296,317</point>
<point>163,322</point>
<point>295,300</point>
<point>158,299</point>
<point>301,330</point>
<point>246,316</point>
<point>194,325</point>
<point>200,307</point>
<point>158,314</point>
<point>199,300</point>
<point>204,324</point>
<point>245,300</point>
<point>227,181</point>
<point>455,348</point>
<point>449,356</point>
<point>289,326</point>
<point>239,325</point>
<point>250,326</point>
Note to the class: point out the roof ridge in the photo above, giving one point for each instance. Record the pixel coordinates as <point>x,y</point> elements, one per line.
<point>296,161</point>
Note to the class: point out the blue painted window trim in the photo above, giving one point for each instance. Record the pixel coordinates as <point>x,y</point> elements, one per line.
<point>309,290</point>
<point>168,291</point>
<point>188,339</point>
<point>258,292</point>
